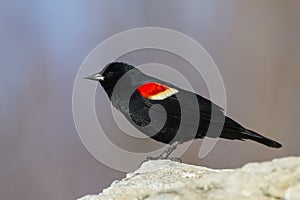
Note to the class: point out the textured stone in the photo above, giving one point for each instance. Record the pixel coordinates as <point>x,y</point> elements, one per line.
<point>165,179</point>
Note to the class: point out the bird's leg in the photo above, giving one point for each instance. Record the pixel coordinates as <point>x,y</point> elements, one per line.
<point>169,150</point>
<point>166,153</point>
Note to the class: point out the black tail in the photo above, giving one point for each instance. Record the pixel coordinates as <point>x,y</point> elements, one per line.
<point>251,135</point>
<point>234,131</point>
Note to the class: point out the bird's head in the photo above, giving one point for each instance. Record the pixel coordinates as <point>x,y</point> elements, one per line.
<point>111,74</point>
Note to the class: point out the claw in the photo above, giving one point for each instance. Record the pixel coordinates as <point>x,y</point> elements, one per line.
<point>166,153</point>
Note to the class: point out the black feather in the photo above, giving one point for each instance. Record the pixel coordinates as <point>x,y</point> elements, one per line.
<point>139,107</point>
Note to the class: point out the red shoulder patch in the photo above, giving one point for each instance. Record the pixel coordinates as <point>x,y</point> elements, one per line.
<point>156,91</point>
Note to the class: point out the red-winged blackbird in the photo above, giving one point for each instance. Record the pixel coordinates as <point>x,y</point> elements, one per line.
<point>138,92</point>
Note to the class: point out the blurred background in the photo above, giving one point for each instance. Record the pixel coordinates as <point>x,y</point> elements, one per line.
<point>255,44</point>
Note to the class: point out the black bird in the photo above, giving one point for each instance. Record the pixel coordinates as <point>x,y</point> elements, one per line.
<point>134,93</point>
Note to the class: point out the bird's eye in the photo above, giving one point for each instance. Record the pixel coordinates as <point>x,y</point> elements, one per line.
<point>109,74</point>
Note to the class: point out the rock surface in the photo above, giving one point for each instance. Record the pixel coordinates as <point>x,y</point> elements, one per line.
<point>165,179</point>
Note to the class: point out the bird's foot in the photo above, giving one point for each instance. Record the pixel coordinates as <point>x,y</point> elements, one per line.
<point>165,155</point>
<point>176,159</point>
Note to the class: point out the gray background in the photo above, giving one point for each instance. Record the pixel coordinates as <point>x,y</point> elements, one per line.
<point>254,43</point>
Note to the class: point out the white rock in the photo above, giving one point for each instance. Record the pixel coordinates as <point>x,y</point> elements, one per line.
<point>165,179</point>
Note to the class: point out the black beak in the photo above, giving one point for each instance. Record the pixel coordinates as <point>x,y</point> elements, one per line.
<point>95,77</point>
